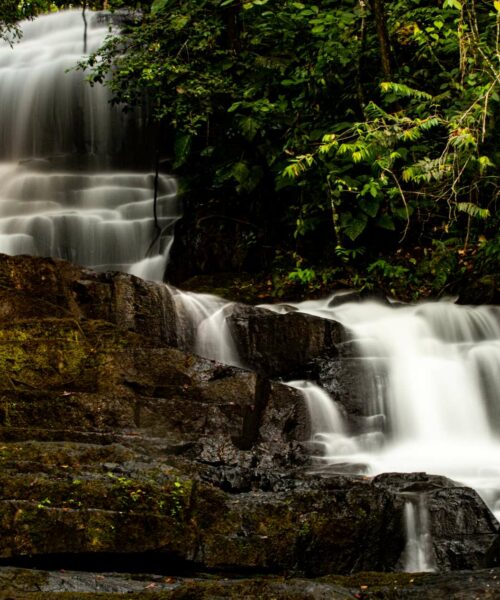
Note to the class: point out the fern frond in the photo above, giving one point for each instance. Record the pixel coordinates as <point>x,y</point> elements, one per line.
<point>404,91</point>
<point>473,210</point>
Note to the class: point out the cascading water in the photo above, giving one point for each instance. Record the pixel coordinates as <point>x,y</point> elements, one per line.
<point>202,326</point>
<point>329,428</point>
<point>435,404</point>
<point>436,367</point>
<point>418,556</point>
<point>59,195</point>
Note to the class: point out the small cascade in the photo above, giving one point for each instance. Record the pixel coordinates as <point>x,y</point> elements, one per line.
<point>324,413</point>
<point>418,555</point>
<point>435,403</point>
<point>202,326</point>
<point>330,432</point>
<point>61,194</point>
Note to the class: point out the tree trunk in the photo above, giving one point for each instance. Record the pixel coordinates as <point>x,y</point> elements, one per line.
<point>361,50</point>
<point>378,10</point>
<point>234,27</point>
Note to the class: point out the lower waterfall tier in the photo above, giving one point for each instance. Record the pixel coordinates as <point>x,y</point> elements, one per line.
<point>117,442</point>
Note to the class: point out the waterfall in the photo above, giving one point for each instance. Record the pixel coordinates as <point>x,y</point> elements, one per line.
<point>61,193</point>
<point>329,428</point>
<point>66,191</point>
<point>202,326</point>
<point>418,555</point>
<point>438,408</point>
<point>434,404</point>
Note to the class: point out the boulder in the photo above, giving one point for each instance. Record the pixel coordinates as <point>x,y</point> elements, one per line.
<point>280,344</point>
<point>30,286</point>
<point>460,525</point>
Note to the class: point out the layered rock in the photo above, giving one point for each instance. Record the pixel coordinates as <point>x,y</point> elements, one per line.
<point>115,443</point>
<point>36,287</point>
<point>280,344</point>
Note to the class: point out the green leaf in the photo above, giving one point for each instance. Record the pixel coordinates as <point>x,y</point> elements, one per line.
<point>182,148</point>
<point>401,212</point>
<point>404,91</point>
<point>353,226</point>
<point>249,127</point>
<point>179,22</point>
<point>208,151</point>
<point>370,205</point>
<point>385,222</point>
<point>240,172</point>
<point>473,210</point>
<point>159,6</point>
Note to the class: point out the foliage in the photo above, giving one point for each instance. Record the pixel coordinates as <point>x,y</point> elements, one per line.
<point>11,12</point>
<point>285,110</point>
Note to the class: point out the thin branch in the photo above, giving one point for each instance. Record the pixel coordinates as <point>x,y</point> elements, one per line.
<point>403,198</point>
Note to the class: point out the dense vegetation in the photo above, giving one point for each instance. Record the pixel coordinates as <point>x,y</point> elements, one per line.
<point>357,138</point>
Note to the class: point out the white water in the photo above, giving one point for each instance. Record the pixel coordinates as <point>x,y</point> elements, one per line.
<point>328,424</point>
<point>418,555</point>
<point>436,371</point>
<point>57,134</point>
<point>202,326</point>
<point>433,404</point>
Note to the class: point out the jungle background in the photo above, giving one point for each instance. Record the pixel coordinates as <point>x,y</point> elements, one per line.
<point>339,143</point>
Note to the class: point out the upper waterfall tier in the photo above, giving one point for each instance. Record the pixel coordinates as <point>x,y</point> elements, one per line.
<point>61,142</point>
<point>47,107</point>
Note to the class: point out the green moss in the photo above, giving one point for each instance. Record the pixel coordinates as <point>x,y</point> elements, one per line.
<point>45,353</point>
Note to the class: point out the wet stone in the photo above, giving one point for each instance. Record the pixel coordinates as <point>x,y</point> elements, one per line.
<point>114,443</point>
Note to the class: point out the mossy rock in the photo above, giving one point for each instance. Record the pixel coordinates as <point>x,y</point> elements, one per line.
<point>44,353</point>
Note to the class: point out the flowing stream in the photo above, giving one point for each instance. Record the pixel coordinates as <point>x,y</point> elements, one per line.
<point>63,192</point>
<point>432,399</point>
<point>432,396</point>
<point>432,375</point>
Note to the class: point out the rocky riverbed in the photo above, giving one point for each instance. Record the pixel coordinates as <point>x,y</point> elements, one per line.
<point>122,451</point>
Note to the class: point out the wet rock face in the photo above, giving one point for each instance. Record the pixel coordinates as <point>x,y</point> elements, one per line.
<point>279,344</point>
<point>112,441</point>
<point>36,287</point>
<point>344,379</point>
<point>459,522</point>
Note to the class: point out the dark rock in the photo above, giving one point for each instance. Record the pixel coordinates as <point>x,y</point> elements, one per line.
<point>115,443</point>
<point>132,304</point>
<point>284,418</point>
<point>348,381</point>
<point>278,344</point>
<point>461,526</point>
<point>64,498</point>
